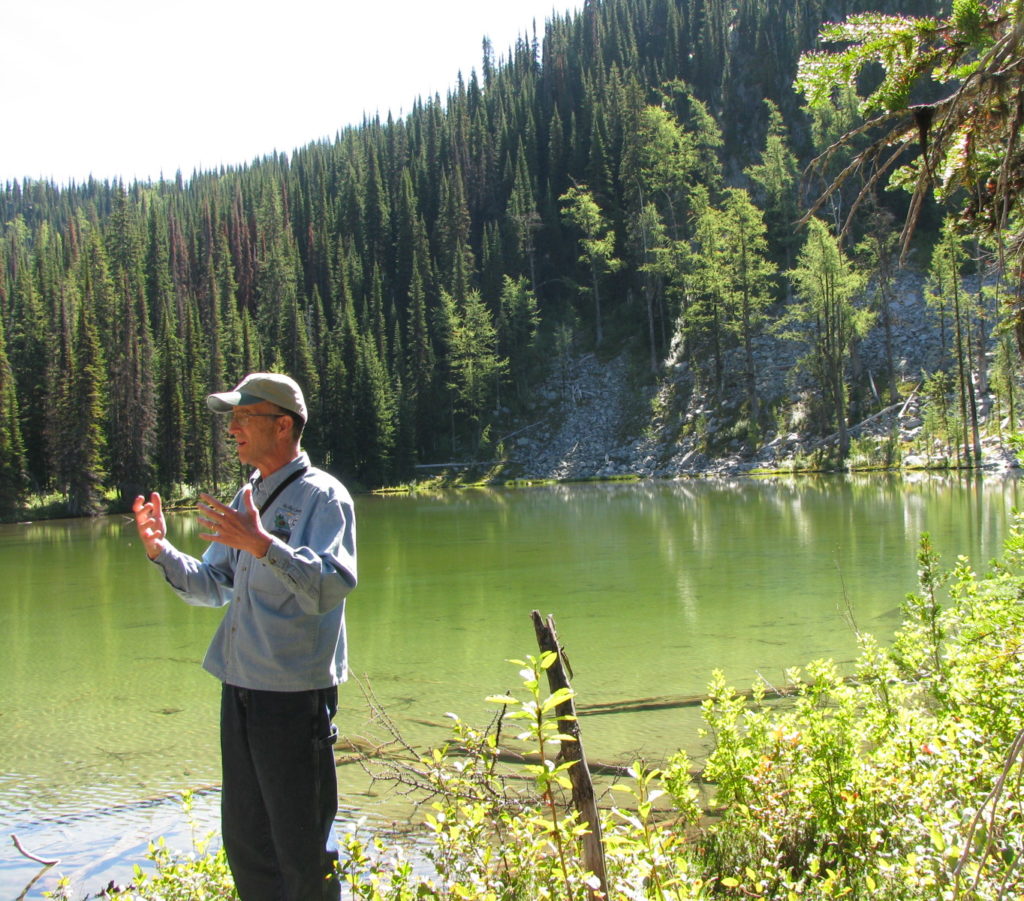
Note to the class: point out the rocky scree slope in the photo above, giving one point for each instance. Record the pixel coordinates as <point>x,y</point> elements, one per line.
<point>595,420</point>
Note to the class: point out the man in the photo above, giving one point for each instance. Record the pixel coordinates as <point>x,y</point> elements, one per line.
<point>282,556</point>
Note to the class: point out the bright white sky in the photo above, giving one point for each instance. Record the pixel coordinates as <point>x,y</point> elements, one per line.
<point>140,88</point>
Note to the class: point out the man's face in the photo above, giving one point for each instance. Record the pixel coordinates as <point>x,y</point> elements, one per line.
<point>256,429</point>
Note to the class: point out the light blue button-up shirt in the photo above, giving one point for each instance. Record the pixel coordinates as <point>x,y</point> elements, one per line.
<point>284,629</point>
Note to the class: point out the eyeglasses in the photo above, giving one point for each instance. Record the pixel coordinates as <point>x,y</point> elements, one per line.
<point>242,419</point>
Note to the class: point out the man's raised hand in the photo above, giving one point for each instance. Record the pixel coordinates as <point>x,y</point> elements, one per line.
<point>150,522</point>
<point>239,529</point>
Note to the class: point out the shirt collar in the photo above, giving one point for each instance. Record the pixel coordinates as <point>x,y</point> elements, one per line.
<point>262,488</point>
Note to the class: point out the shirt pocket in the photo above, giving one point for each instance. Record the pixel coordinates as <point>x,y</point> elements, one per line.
<point>266,589</point>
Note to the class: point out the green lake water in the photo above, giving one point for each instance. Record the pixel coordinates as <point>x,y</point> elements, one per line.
<point>106,715</point>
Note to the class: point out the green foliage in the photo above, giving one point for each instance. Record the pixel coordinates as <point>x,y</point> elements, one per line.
<point>828,319</point>
<point>941,422</point>
<point>893,785</point>
<point>776,178</point>
<point>958,311</point>
<point>901,45</point>
<point>939,118</point>
<point>872,452</point>
<point>123,305</point>
<point>199,875</point>
<point>518,328</point>
<point>597,242</point>
<point>473,353</point>
<point>13,476</point>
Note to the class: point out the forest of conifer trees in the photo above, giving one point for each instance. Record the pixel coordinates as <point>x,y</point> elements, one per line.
<point>627,178</point>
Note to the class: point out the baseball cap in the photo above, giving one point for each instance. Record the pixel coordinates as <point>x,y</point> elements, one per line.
<point>258,386</point>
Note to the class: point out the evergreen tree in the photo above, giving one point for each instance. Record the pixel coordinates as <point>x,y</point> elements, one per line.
<point>877,252</point>
<point>454,251</point>
<point>523,221</point>
<point>374,414</point>
<point>13,478</point>
<point>171,414</point>
<point>649,234</point>
<point>518,327</point>
<point>420,378</point>
<point>27,340</point>
<point>826,317</point>
<point>87,445</point>
<point>776,179</point>
<point>597,241</point>
<point>475,365</point>
<point>749,270</point>
<point>946,294</point>
<point>704,323</point>
<point>660,166</point>
<point>131,402</point>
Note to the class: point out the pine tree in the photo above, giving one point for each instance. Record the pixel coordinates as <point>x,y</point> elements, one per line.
<point>171,414</point>
<point>374,414</point>
<point>878,252</point>
<point>523,222</point>
<point>476,366</point>
<point>827,318</point>
<point>131,403</point>
<point>650,238</point>
<point>87,445</point>
<point>597,241</point>
<point>749,294</point>
<point>518,327</point>
<point>420,379</point>
<point>13,477</point>
<point>454,252</point>
<point>704,323</point>
<point>946,294</point>
<point>26,349</point>
<point>776,178</point>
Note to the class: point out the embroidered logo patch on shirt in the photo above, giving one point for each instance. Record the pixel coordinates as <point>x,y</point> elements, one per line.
<point>285,519</point>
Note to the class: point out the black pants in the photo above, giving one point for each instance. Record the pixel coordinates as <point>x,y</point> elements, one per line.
<point>280,793</point>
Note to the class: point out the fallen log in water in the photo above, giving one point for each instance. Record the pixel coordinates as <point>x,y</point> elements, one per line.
<point>361,749</point>
<point>640,705</point>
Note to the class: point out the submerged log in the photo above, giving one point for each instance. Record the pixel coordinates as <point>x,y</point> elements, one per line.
<point>640,705</point>
<point>508,755</point>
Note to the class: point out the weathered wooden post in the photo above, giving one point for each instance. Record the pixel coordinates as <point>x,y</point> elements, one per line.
<point>579,774</point>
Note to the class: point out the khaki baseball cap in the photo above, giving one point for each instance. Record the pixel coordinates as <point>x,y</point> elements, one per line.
<point>258,386</point>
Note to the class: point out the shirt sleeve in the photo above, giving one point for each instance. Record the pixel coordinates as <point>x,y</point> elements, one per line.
<point>204,583</point>
<point>321,570</point>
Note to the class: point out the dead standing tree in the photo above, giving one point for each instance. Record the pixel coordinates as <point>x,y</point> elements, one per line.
<point>583,797</point>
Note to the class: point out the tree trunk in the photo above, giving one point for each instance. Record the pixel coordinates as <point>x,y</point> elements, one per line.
<point>582,787</point>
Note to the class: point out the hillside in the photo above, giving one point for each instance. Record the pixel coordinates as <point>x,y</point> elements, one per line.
<point>619,190</point>
<point>598,418</point>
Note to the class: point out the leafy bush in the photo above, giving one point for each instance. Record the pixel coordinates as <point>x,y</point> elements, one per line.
<point>199,875</point>
<point>903,782</point>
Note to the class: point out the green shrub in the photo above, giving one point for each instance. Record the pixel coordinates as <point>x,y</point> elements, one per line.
<point>199,875</point>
